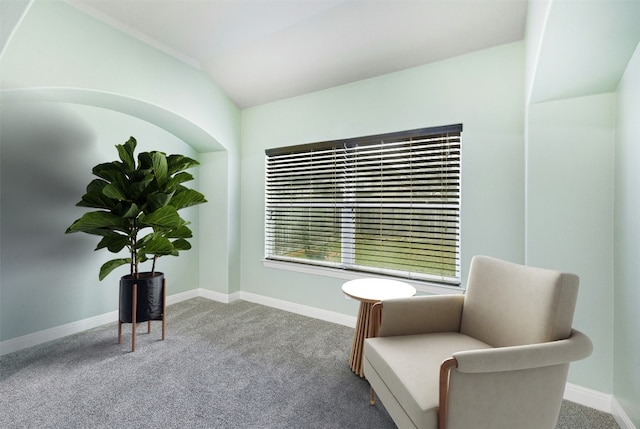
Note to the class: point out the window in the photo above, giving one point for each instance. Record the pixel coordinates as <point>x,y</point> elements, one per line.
<point>386,204</point>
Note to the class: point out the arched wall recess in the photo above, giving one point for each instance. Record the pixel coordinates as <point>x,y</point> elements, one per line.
<point>184,129</point>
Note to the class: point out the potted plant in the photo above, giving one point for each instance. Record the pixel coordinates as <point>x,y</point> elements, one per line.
<point>137,208</point>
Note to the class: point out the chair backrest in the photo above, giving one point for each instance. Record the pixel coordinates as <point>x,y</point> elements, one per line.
<point>507,304</point>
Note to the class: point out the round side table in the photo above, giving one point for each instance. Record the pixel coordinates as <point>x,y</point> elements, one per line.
<point>369,291</point>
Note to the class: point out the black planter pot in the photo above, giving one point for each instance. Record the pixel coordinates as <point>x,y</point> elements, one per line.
<point>150,297</point>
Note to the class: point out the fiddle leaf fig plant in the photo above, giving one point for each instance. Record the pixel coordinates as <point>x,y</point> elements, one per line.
<point>138,204</point>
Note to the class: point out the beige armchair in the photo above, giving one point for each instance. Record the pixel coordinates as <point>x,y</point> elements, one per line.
<point>495,357</point>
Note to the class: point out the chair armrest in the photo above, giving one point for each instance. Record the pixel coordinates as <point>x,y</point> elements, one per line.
<point>421,315</point>
<point>577,346</point>
<point>513,362</point>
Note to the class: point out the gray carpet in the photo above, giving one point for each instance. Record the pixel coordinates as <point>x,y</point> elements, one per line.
<point>237,365</point>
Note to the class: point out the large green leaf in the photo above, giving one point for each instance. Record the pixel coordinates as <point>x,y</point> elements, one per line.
<point>181,244</point>
<point>145,161</point>
<point>140,184</point>
<point>95,198</point>
<point>132,211</point>
<point>121,208</point>
<point>176,180</point>
<point>111,265</point>
<point>181,232</point>
<point>177,163</point>
<point>166,217</point>
<point>97,201</point>
<point>160,168</point>
<point>91,221</point>
<point>110,171</point>
<point>185,197</point>
<point>126,153</point>
<point>112,190</point>
<point>114,242</point>
<point>158,200</point>
<point>96,185</point>
<point>156,244</point>
<point>119,188</point>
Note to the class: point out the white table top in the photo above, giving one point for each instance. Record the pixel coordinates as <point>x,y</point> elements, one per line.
<point>374,290</point>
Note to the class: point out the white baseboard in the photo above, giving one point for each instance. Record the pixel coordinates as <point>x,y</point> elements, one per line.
<point>620,415</point>
<point>218,296</point>
<point>590,398</point>
<point>581,395</point>
<point>304,310</point>
<point>182,296</point>
<point>40,337</point>
<point>599,401</point>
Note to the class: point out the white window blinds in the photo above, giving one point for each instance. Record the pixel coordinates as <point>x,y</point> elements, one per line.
<point>387,204</point>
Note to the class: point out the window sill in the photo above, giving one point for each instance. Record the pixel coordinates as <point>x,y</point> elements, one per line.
<point>421,286</point>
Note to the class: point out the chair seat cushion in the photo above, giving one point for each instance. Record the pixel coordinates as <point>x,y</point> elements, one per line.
<point>409,367</point>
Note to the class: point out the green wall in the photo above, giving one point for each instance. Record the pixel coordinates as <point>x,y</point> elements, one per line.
<point>627,243</point>
<point>569,215</point>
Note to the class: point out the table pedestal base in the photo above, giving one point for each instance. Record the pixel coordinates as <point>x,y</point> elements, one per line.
<point>360,334</point>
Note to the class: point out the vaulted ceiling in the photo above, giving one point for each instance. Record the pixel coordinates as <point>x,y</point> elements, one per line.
<point>260,51</point>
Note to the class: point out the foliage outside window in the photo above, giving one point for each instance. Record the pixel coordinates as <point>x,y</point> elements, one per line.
<point>386,204</point>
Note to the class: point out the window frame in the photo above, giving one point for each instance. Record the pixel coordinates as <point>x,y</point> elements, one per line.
<point>347,270</point>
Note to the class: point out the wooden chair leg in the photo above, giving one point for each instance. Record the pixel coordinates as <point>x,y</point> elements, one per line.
<point>445,370</point>
<point>372,401</point>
